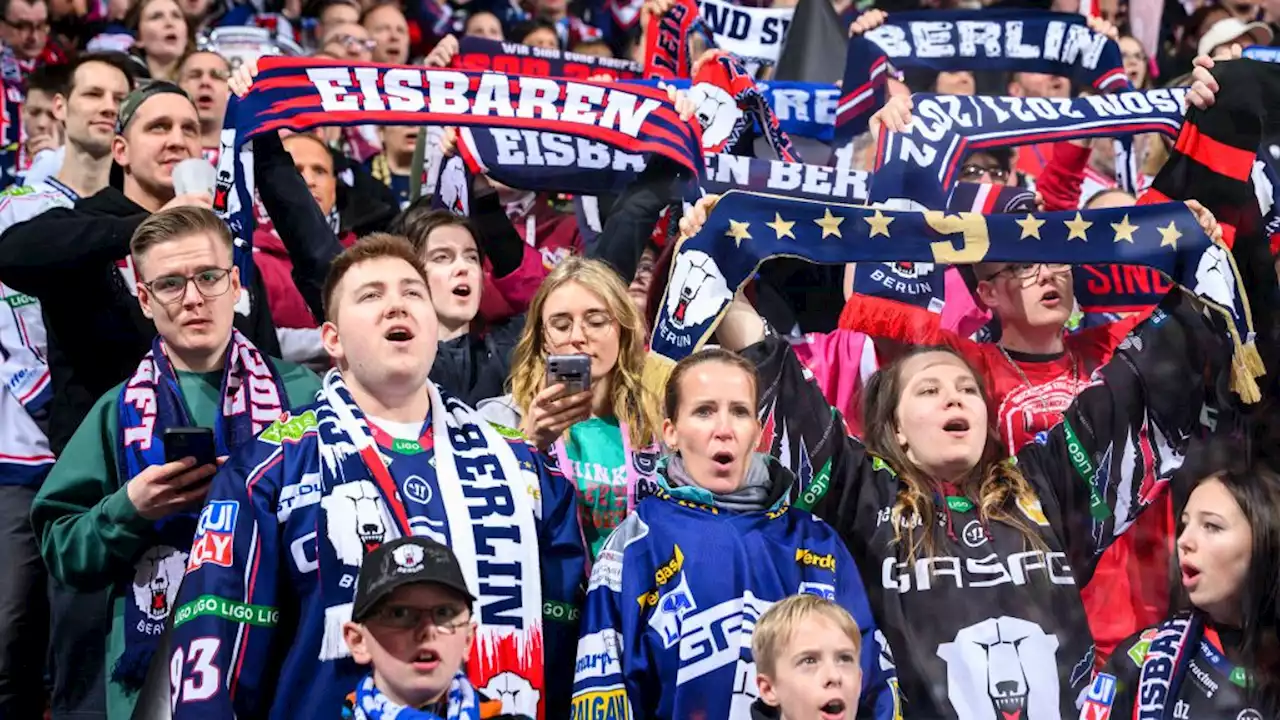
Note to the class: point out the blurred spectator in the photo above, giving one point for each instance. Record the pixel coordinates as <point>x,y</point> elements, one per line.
<point>536,33</point>
<point>349,41</point>
<point>483,24</point>
<point>394,164</point>
<point>41,130</point>
<point>599,48</point>
<point>1217,42</point>
<point>994,165</point>
<point>24,28</point>
<point>389,30</point>
<point>1137,66</point>
<point>162,36</point>
<point>203,75</point>
<point>960,82</point>
<point>197,13</point>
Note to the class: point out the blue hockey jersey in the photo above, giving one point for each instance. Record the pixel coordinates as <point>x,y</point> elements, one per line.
<point>675,594</point>
<point>248,629</point>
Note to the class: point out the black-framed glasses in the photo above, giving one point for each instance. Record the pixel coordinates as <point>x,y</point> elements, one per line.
<point>448,619</point>
<point>1028,271</point>
<point>27,27</point>
<point>210,283</point>
<point>972,171</point>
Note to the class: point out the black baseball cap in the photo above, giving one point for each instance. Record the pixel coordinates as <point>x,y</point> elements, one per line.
<point>403,562</point>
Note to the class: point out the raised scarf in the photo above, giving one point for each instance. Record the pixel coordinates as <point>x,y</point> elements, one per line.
<point>988,39</point>
<point>921,163</point>
<point>302,93</point>
<point>480,54</point>
<point>474,467</point>
<point>754,34</point>
<point>370,703</point>
<point>746,229</point>
<point>730,105</point>
<point>253,396</point>
<point>547,162</point>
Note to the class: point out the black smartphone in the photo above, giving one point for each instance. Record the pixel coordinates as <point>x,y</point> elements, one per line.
<point>572,371</point>
<point>185,442</point>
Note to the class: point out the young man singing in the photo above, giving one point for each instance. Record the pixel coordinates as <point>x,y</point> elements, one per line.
<point>384,454</point>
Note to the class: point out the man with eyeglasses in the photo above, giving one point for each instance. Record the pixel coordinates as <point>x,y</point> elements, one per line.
<point>349,41</point>
<point>412,622</point>
<point>24,44</point>
<point>993,166</point>
<point>118,510</point>
<point>24,28</point>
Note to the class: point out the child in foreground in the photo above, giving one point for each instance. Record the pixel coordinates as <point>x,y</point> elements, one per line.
<point>807,652</point>
<point>411,620</point>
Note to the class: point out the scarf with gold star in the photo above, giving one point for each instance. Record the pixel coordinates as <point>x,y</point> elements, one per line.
<point>747,229</point>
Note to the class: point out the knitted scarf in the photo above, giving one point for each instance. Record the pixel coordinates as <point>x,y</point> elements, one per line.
<point>923,162</point>
<point>301,93</point>
<point>474,468</point>
<point>151,401</point>
<point>746,229</point>
<point>369,703</point>
<point>989,39</point>
<point>479,54</point>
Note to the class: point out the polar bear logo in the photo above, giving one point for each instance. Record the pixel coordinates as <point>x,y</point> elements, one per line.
<point>358,521</point>
<point>518,696</point>
<point>910,270</point>
<point>453,186</point>
<point>698,290</point>
<point>156,579</point>
<point>718,114</point>
<point>1214,279</point>
<point>1003,667</point>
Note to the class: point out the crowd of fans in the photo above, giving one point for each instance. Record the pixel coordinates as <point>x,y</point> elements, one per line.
<point>409,460</point>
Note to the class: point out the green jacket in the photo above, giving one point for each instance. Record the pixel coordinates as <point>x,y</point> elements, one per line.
<point>90,534</point>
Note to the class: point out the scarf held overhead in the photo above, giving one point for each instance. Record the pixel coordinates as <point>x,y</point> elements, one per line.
<point>509,634</point>
<point>480,54</point>
<point>746,229</point>
<point>923,162</point>
<point>302,93</point>
<point>1001,40</point>
<point>151,402</point>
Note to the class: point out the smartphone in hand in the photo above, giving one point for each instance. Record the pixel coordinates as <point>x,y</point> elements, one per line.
<point>572,371</point>
<point>185,442</point>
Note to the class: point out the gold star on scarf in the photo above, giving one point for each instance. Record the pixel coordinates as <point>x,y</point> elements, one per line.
<point>1169,236</point>
<point>1124,231</point>
<point>1077,228</point>
<point>782,227</point>
<point>879,224</point>
<point>1030,227</point>
<point>830,224</point>
<point>738,231</point>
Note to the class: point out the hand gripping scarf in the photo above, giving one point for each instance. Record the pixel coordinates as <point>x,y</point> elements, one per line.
<point>301,93</point>
<point>253,397</point>
<point>746,229</point>
<point>923,162</point>
<point>1003,40</point>
<point>509,638</point>
<point>729,103</point>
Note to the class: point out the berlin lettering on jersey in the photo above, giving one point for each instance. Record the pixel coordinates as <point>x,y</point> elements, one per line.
<point>920,163</point>
<point>553,162</point>
<point>746,229</point>
<point>480,54</point>
<point>1003,40</point>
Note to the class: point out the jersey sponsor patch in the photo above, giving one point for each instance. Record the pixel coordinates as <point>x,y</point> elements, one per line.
<point>1103,689</point>
<point>290,428</point>
<point>806,557</point>
<point>598,655</point>
<point>226,609</point>
<point>607,571</point>
<point>215,535</point>
<point>1139,649</point>
<point>610,704</point>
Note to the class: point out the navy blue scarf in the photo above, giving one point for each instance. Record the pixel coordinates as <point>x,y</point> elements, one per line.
<point>151,401</point>
<point>746,229</point>
<point>1003,40</point>
<point>923,162</point>
<point>479,54</point>
<point>546,162</point>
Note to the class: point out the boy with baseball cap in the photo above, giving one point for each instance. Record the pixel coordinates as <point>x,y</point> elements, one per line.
<point>411,620</point>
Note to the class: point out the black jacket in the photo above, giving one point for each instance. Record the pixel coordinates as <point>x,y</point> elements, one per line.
<point>66,258</point>
<point>990,604</point>
<point>475,366</point>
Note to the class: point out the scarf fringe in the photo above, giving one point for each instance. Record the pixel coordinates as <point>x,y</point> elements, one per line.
<point>333,645</point>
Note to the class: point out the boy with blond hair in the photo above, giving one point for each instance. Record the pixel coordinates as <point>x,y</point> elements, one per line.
<point>807,652</point>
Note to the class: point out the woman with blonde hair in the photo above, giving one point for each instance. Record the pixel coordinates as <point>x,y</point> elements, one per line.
<point>974,559</point>
<point>605,438</point>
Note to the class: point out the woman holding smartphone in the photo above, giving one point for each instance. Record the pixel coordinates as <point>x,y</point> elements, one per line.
<point>583,326</point>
